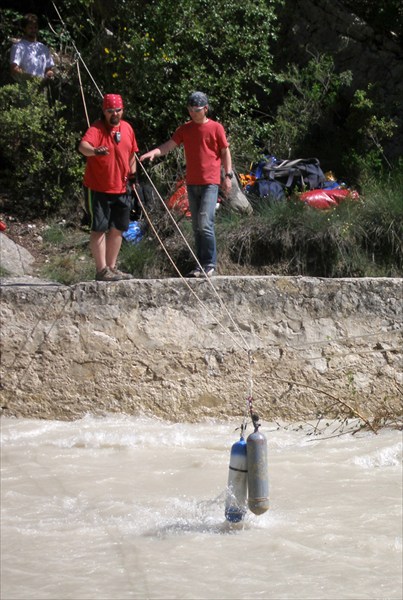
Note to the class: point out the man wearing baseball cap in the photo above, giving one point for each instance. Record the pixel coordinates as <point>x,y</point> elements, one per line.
<point>206,151</point>
<point>109,145</point>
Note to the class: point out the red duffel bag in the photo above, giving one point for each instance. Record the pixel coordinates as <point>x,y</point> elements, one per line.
<point>327,198</point>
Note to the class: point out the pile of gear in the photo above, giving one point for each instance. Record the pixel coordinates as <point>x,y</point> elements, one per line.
<point>276,179</point>
<point>272,179</point>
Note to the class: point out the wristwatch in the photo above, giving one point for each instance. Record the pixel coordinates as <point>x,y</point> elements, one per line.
<point>229,175</point>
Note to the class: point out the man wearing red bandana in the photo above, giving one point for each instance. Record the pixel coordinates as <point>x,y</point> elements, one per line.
<point>110,146</point>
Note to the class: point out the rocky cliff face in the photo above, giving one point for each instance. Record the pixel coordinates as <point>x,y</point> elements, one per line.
<point>300,347</point>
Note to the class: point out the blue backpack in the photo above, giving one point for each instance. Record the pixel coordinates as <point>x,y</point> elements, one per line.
<point>276,177</point>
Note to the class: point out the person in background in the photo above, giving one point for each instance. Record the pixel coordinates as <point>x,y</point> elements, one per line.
<point>28,57</point>
<point>206,151</point>
<point>110,146</point>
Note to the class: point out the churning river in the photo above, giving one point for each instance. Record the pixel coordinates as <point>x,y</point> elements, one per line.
<point>120,507</point>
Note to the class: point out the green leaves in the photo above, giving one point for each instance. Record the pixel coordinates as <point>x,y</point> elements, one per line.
<point>154,53</point>
<point>222,48</point>
<point>313,92</point>
<point>38,149</point>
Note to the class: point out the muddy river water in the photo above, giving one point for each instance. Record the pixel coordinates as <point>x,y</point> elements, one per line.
<point>118,507</point>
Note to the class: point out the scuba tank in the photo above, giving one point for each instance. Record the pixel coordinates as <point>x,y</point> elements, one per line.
<point>235,501</point>
<point>258,476</point>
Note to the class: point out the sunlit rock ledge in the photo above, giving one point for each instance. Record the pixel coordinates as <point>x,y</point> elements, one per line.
<point>187,350</point>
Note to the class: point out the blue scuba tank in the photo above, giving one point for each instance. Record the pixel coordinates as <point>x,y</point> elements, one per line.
<point>235,501</point>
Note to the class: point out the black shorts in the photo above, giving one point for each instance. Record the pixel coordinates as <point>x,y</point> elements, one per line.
<point>107,210</point>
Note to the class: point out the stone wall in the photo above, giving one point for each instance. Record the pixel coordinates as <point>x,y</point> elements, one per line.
<point>185,350</point>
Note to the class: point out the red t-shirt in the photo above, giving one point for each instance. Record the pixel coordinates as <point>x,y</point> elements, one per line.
<point>203,144</point>
<point>108,173</point>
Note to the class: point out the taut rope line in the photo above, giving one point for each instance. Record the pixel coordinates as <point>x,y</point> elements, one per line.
<point>222,304</point>
<point>76,50</point>
<point>208,279</point>
<point>226,330</point>
<point>82,93</point>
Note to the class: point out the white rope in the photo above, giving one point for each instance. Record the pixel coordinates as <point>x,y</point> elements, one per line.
<point>180,274</point>
<point>82,93</point>
<point>208,279</point>
<point>77,52</point>
<point>246,348</point>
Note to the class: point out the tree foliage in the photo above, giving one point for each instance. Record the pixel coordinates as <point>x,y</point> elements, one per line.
<point>175,48</point>
<point>312,93</point>
<point>39,155</point>
<point>154,53</point>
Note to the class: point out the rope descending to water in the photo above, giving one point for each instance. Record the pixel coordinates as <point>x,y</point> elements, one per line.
<point>245,347</point>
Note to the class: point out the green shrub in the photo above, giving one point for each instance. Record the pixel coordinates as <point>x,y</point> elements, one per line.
<point>141,260</point>
<point>356,239</point>
<point>43,170</point>
<point>367,129</point>
<point>174,49</point>
<point>313,92</point>
<point>379,227</point>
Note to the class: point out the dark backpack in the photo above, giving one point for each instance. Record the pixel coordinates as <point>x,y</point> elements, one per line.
<point>299,173</point>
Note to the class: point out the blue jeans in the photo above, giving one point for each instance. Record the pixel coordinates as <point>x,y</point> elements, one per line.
<point>202,204</point>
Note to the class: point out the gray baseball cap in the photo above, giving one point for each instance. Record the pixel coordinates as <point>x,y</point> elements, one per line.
<point>197,99</point>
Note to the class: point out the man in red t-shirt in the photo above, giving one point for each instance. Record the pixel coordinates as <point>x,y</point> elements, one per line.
<point>110,146</point>
<point>206,150</point>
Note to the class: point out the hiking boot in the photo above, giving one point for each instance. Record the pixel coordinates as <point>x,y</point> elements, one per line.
<point>197,272</point>
<point>209,271</point>
<point>121,274</point>
<point>106,275</point>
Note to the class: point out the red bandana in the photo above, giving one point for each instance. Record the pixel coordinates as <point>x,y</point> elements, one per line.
<point>112,101</point>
